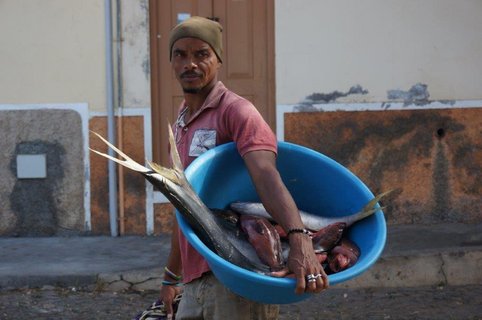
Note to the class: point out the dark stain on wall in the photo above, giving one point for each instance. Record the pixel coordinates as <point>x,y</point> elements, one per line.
<point>332,96</point>
<point>431,156</point>
<point>347,139</point>
<point>417,94</point>
<point>440,180</point>
<point>319,98</point>
<point>33,200</point>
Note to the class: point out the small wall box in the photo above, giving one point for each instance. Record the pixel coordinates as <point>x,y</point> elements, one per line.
<point>31,166</point>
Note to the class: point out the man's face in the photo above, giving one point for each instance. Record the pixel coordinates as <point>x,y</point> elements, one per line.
<point>195,65</point>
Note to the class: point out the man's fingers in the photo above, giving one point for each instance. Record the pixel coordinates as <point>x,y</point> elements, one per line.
<point>315,282</point>
<point>169,309</point>
<point>320,285</point>
<point>300,284</point>
<point>311,282</point>
<point>321,282</point>
<point>326,282</point>
<point>281,273</point>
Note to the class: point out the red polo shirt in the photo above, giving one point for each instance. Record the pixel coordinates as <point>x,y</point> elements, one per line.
<point>224,117</point>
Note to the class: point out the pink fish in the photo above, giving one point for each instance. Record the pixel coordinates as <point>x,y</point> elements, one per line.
<point>265,239</point>
<point>343,256</point>
<point>327,237</point>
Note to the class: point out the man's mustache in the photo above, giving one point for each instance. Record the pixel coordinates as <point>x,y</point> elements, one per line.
<point>190,74</point>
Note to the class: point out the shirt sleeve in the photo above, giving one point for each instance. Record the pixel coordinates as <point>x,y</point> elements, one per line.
<point>249,130</point>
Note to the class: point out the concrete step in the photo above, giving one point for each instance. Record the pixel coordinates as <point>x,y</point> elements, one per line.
<point>448,254</point>
<point>415,255</point>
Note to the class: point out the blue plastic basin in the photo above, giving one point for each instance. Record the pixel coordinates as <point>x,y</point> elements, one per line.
<point>318,184</point>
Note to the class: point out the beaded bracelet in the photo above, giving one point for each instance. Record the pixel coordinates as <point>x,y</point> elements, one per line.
<point>170,283</point>
<point>172,274</point>
<point>297,230</point>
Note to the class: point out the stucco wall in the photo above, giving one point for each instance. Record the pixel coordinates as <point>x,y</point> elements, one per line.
<point>430,158</point>
<point>378,45</point>
<point>52,51</point>
<point>56,53</point>
<point>48,206</point>
<point>135,59</point>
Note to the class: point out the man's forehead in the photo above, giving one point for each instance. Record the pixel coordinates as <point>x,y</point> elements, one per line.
<point>190,43</point>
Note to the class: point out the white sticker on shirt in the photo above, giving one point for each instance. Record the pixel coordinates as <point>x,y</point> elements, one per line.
<point>202,141</point>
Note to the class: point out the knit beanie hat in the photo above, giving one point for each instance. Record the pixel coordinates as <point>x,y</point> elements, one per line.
<point>201,28</point>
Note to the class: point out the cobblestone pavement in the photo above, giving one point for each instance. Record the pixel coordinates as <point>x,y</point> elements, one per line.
<point>462,302</point>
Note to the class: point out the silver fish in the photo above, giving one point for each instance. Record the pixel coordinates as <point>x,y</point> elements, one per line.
<point>310,221</point>
<point>173,183</point>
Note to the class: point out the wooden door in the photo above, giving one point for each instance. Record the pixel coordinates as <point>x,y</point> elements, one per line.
<point>248,61</point>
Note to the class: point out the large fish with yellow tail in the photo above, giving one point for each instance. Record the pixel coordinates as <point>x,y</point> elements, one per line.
<point>172,182</point>
<point>258,247</point>
<point>311,221</point>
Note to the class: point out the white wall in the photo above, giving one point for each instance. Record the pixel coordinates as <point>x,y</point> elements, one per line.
<point>52,51</point>
<point>324,46</point>
<point>135,54</point>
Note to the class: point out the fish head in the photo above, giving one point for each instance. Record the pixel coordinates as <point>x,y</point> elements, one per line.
<point>343,256</point>
<point>327,237</point>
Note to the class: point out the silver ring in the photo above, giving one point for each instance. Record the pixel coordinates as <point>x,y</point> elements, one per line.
<point>318,276</point>
<point>311,277</point>
<point>312,280</point>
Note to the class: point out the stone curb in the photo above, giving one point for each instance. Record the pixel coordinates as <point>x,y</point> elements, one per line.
<point>449,254</point>
<point>455,267</point>
<point>450,267</point>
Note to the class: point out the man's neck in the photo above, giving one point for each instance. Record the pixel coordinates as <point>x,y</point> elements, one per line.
<point>194,101</point>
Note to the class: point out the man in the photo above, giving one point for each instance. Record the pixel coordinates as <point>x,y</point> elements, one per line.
<point>211,115</point>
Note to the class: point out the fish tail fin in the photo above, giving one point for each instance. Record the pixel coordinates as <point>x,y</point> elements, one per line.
<point>369,208</point>
<point>175,174</point>
<point>170,174</point>
<point>167,173</point>
<point>368,212</point>
<point>126,161</point>
<point>375,200</point>
<point>175,158</point>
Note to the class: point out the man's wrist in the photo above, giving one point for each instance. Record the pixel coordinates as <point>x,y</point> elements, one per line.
<point>169,275</point>
<point>298,231</point>
<point>171,283</point>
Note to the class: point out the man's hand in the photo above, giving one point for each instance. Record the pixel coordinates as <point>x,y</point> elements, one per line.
<point>278,202</point>
<point>302,262</point>
<point>167,295</point>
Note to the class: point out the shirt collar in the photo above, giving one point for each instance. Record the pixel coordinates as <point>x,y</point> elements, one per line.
<point>212,100</point>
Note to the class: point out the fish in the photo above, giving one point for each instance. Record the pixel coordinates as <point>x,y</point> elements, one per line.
<point>344,255</point>
<point>172,182</point>
<point>265,239</point>
<point>327,237</point>
<point>311,221</point>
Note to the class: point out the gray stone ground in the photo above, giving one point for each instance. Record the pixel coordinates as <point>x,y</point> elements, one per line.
<point>425,272</point>
<point>459,302</point>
